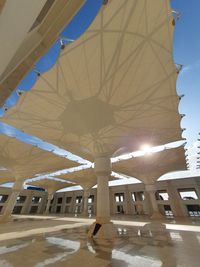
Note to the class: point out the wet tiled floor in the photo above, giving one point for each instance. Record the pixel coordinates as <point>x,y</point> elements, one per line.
<point>137,244</point>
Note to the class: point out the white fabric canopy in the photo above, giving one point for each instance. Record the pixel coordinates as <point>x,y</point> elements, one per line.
<point>24,160</point>
<point>150,167</point>
<point>6,177</point>
<point>50,184</point>
<point>113,88</point>
<point>85,177</point>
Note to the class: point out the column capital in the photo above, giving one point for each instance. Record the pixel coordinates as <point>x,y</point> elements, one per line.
<point>86,192</point>
<point>18,185</point>
<point>50,195</point>
<point>150,187</point>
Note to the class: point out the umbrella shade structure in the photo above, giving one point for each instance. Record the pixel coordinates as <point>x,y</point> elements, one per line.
<point>114,88</point>
<point>50,185</point>
<point>85,177</point>
<point>6,177</point>
<point>150,167</point>
<point>24,160</point>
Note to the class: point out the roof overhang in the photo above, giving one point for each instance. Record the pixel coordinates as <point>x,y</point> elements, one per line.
<point>22,47</point>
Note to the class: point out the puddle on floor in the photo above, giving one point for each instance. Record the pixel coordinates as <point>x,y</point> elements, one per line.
<point>134,246</point>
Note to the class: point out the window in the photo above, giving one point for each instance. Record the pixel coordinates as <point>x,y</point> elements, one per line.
<point>90,210</point>
<point>59,201</point>
<point>133,197</point>
<point>36,200</point>
<point>78,199</point>
<point>58,209</point>
<point>91,199</point>
<point>67,209</point>
<point>162,195</point>
<point>138,196</point>
<point>3,198</point>
<point>34,209</point>
<point>188,194</point>
<point>17,210</point>
<point>77,209</point>
<point>68,200</point>
<point>168,211</point>
<point>119,197</point>
<point>120,209</point>
<point>193,210</point>
<point>21,199</point>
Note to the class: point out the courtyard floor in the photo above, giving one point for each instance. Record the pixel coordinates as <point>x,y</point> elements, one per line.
<point>38,241</point>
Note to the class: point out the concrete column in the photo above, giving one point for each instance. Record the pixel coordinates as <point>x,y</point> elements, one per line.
<point>103,201</point>
<point>16,189</point>
<point>54,204</point>
<point>27,204</point>
<point>128,201</point>
<point>49,198</point>
<point>73,203</point>
<point>102,228</point>
<point>41,205</point>
<point>86,194</point>
<point>95,202</point>
<point>111,195</point>
<point>63,204</point>
<point>174,200</point>
<point>197,188</point>
<point>147,205</point>
<point>151,190</point>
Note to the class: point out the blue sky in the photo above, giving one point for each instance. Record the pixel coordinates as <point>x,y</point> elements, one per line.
<point>186,52</point>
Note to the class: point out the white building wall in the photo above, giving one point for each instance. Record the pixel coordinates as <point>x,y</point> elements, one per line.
<point>129,206</point>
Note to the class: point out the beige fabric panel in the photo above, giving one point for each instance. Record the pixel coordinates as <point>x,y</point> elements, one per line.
<point>25,160</point>
<point>2,3</point>
<point>6,177</point>
<point>85,178</point>
<point>50,184</point>
<point>150,167</point>
<point>114,87</point>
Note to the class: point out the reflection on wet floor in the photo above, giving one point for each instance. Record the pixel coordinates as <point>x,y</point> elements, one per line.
<point>149,246</point>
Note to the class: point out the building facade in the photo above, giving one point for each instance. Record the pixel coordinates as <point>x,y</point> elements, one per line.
<point>175,198</point>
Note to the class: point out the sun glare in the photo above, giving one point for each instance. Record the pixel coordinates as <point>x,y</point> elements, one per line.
<point>146,148</point>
